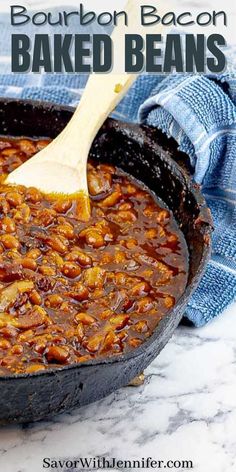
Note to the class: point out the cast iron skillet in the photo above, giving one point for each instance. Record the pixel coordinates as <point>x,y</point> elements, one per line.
<point>149,156</point>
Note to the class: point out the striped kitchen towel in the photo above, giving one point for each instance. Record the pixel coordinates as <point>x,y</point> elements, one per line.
<point>200,113</point>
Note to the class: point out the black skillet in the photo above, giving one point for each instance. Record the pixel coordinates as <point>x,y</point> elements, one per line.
<point>152,158</point>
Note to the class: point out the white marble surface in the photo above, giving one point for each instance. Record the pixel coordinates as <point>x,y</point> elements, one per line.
<point>185,410</point>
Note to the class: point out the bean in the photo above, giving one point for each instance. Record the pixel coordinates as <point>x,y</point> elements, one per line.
<point>120,278</point>
<point>55,258</point>
<point>35,297</point>
<point>94,343</point>
<point>99,183</point>
<point>123,216</point>
<point>141,326</point>
<point>47,270</point>
<point>17,350</point>
<point>85,358</point>
<point>162,216</point>
<point>26,336</point>
<point>112,199</point>
<point>93,238</point>
<point>103,228</point>
<point>10,241</point>
<point>172,239</point>
<point>85,319</point>
<point>22,214</point>
<point>71,270</point>
<point>28,263</point>
<point>83,259</point>
<point>4,145</point>
<point>9,152</point>
<point>9,332</point>
<point>144,304</point>
<point>120,257</point>
<point>140,289</point>
<point>149,211</point>
<point>131,243</point>
<point>94,277</point>
<point>106,314</point>
<point>8,361</point>
<point>126,206</point>
<point>4,206</point>
<point>106,259</point>
<point>123,279</point>
<point>164,272</point>
<point>8,225</point>
<point>106,168</point>
<point>40,343</point>
<point>57,354</point>
<point>33,253</point>
<point>14,199</point>
<point>135,342</point>
<point>35,317</point>
<point>27,146</point>
<point>66,230</point>
<point>109,342</point>
<point>119,321</point>
<point>69,333</point>
<point>59,339</point>
<point>140,194</point>
<point>46,217</point>
<point>169,301</point>
<point>33,195</point>
<point>41,144</point>
<point>97,293</point>
<point>54,301</point>
<point>151,233</point>
<point>62,206</point>
<point>131,189</point>
<point>57,243</point>
<point>79,331</point>
<point>80,292</point>
<point>4,344</point>
<point>67,308</point>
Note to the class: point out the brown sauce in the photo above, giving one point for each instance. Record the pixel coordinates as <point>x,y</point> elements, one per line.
<point>72,290</point>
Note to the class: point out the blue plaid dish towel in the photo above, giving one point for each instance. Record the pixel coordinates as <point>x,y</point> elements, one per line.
<point>199,112</point>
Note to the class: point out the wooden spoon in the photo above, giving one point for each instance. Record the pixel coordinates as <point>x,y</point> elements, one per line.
<point>61,167</point>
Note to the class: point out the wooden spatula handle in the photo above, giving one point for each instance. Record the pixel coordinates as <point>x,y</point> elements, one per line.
<point>102,94</point>
<point>104,91</point>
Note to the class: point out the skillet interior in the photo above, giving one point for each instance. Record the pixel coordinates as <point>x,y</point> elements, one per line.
<point>146,154</point>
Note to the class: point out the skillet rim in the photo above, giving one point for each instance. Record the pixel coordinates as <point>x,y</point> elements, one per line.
<point>206,228</point>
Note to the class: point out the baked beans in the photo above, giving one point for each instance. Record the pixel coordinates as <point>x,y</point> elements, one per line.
<point>72,290</point>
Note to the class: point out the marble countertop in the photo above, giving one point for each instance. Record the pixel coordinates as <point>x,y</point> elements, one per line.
<point>186,409</point>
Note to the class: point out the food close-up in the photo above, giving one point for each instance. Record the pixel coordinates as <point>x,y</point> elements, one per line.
<point>117,236</point>
<point>73,290</point>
